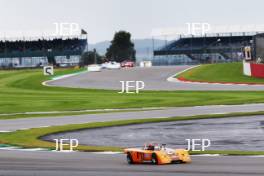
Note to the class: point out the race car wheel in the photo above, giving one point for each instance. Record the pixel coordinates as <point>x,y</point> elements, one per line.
<point>154,159</point>
<point>177,162</point>
<point>129,159</point>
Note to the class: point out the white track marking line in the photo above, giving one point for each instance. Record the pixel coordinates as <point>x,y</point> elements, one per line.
<point>45,83</point>
<point>176,80</point>
<point>23,149</point>
<point>107,153</point>
<point>87,110</point>
<point>5,131</point>
<point>172,77</point>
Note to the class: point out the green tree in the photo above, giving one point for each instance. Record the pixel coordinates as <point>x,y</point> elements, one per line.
<point>51,60</point>
<point>91,57</point>
<point>121,47</point>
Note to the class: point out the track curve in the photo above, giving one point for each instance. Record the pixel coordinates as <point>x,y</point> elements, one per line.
<point>21,163</point>
<point>155,78</point>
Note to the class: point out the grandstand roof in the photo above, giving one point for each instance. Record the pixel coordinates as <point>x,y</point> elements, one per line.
<point>230,34</point>
<point>232,42</point>
<point>213,29</point>
<point>44,37</point>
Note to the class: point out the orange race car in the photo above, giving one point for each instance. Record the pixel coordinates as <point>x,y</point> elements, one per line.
<point>156,154</point>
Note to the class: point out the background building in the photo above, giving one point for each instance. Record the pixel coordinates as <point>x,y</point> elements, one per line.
<point>57,51</point>
<point>211,48</point>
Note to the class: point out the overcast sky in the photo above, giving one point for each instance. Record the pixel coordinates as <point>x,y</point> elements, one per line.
<point>101,18</point>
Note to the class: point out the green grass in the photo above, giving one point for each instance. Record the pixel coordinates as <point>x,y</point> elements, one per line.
<point>224,72</point>
<point>21,91</point>
<point>32,138</point>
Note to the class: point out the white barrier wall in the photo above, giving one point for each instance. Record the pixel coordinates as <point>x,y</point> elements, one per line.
<point>145,64</point>
<point>94,68</point>
<point>246,68</point>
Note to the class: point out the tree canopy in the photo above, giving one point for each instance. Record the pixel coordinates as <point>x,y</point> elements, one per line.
<point>91,57</point>
<point>121,48</point>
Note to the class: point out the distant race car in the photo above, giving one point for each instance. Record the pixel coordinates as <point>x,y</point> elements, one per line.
<point>111,65</point>
<point>157,154</point>
<point>127,63</point>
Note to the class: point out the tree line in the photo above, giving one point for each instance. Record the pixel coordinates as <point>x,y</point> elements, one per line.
<point>120,49</point>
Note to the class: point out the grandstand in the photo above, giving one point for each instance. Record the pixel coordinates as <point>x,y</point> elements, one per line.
<point>39,52</point>
<point>204,49</point>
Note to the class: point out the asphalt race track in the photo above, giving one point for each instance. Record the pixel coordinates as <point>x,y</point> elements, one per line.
<point>238,133</point>
<point>21,163</point>
<point>25,123</point>
<point>155,78</point>
<point>43,163</point>
<point>47,163</point>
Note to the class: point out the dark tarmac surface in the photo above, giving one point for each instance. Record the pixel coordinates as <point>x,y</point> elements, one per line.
<point>155,78</point>
<point>25,163</point>
<point>25,123</point>
<point>20,163</point>
<point>238,133</point>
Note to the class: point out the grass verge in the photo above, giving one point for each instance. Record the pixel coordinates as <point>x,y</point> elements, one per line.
<point>32,138</point>
<point>21,91</point>
<point>223,73</point>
